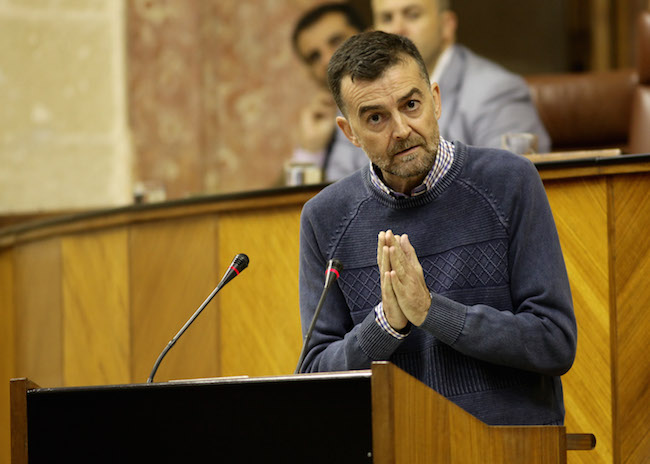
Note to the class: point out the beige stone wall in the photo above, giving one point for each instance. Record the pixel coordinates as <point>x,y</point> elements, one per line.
<point>64,143</point>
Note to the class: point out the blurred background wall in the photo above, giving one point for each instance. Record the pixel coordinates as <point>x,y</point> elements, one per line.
<point>214,91</point>
<point>64,140</point>
<point>193,97</point>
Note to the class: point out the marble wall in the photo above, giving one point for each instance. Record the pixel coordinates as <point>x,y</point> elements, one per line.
<point>214,92</point>
<point>64,141</point>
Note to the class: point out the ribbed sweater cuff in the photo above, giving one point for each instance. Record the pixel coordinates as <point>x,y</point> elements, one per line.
<point>446,319</point>
<point>374,341</point>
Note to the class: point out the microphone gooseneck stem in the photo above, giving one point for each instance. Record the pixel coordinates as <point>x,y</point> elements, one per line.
<point>238,264</point>
<point>305,344</point>
<point>332,274</point>
<point>182,331</point>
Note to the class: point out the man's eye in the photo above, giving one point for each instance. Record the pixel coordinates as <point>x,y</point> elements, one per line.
<point>386,18</point>
<point>336,40</point>
<point>374,119</point>
<point>412,104</point>
<point>313,58</point>
<point>412,14</point>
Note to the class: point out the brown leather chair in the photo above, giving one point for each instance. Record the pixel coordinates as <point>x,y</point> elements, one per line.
<point>598,109</point>
<point>585,110</point>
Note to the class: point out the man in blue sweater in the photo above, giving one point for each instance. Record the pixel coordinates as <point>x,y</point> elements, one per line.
<point>453,267</point>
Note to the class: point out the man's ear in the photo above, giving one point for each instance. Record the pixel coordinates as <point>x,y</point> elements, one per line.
<point>435,92</point>
<point>347,130</point>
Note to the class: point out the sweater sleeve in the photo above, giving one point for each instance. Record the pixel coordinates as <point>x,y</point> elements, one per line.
<point>337,343</point>
<point>539,333</point>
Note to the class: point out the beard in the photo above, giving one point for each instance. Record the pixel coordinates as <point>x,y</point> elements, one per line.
<point>412,165</point>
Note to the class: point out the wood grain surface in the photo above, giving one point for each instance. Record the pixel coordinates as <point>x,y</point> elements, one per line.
<point>414,424</point>
<point>39,314</point>
<point>580,211</point>
<point>630,251</point>
<point>7,346</point>
<point>95,299</point>
<point>260,322</point>
<point>96,327</point>
<point>172,271</point>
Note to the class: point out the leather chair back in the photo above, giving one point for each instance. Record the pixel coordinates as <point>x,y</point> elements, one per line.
<point>585,110</point>
<point>599,109</point>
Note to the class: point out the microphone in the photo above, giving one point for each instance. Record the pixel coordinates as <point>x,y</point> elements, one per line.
<point>239,263</point>
<point>333,272</point>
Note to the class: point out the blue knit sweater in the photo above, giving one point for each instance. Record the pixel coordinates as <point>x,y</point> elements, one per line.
<point>501,328</point>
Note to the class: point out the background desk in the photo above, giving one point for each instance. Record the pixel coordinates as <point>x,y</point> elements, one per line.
<point>92,299</point>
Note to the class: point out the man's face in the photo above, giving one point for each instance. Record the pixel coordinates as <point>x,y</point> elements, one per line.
<point>419,20</point>
<point>395,120</point>
<point>317,43</point>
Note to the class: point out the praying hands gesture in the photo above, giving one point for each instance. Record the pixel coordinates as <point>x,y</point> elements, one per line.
<point>404,293</point>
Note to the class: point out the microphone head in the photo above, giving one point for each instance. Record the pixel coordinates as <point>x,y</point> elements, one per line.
<point>240,262</point>
<point>333,272</point>
<point>336,265</point>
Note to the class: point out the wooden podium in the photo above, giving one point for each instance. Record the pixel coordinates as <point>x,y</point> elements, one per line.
<point>382,415</point>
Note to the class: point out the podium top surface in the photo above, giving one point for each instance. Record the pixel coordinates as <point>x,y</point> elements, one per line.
<point>361,375</point>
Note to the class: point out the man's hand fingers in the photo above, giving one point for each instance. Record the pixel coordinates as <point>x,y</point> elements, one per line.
<point>398,260</point>
<point>409,251</point>
<point>394,314</point>
<point>387,292</point>
<point>407,281</point>
<point>381,241</point>
<point>385,259</point>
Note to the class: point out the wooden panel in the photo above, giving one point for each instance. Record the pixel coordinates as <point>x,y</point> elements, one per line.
<point>631,269</point>
<point>172,271</point>
<point>523,445</point>
<point>261,306</point>
<point>7,352</point>
<point>172,265</point>
<point>38,312</point>
<point>580,211</point>
<point>96,346</point>
<point>194,206</point>
<point>18,411</point>
<point>414,424</point>
<point>410,422</point>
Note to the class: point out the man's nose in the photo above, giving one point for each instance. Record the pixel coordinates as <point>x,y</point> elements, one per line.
<point>327,55</point>
<point>325,61</point>
<point>397,26</point>
<point>401,127</point>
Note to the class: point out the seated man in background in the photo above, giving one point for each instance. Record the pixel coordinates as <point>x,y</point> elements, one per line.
<point>481,101</point>
<point>453,267</point>
<point>315,38</point>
